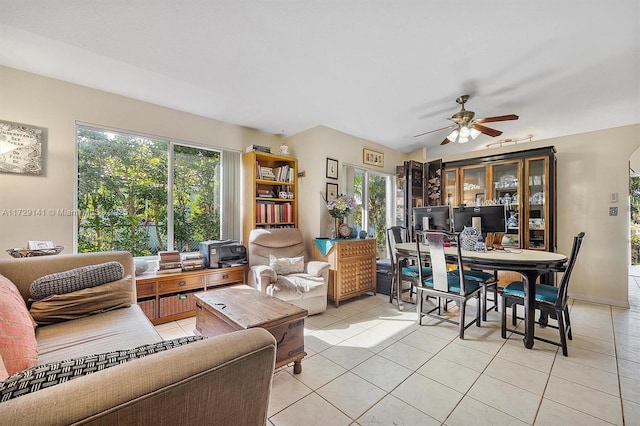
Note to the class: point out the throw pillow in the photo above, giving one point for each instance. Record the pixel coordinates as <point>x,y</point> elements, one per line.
<point>286,265</point>
<point>47,375</point>
<point>76,279</point>
<point>82,303</point>
<point>3,370</point>
<point>18,346</point>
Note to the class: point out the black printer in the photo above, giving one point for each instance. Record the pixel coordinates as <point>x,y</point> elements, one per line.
<point>221,253</point>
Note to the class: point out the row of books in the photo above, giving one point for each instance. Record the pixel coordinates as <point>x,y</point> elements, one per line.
<point>280,174</point>
<point>170,262</point>
<point>274,213</point>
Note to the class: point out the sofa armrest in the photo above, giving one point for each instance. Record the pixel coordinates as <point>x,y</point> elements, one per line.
<point>222,380</point>
<point>317,268</point>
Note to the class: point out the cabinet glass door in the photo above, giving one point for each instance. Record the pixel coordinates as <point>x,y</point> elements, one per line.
<point>505,189</point>
<point>537,207</point>
<point>451,187</point>
<point>401,181</point>
<point>474,185</point>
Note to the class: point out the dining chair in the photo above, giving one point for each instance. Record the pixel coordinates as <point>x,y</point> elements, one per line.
<point>550,300</point>
<point>446,285</point>
<point>488,281</point>
<point>395,235</point>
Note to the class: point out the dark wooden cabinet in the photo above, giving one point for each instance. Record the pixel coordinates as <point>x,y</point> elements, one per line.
<point>523,181</point>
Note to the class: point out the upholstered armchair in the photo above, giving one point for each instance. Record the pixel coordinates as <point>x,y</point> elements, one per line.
<point>279,266</point>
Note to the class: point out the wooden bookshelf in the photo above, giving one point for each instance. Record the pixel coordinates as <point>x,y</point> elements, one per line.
<point>264,202</point>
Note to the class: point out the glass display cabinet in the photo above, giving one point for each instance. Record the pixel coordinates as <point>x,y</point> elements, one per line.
<point>537,214</point>
<point>474,185</point>
<point>505,189</point>
<point>523,181</point>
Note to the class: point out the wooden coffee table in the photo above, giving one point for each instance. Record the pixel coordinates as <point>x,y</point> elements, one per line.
<point>238,307</point>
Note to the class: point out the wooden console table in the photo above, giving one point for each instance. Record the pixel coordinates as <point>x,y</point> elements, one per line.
<point>353,266</point>
<point>169,297</point>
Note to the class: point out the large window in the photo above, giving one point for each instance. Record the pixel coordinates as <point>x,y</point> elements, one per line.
<point>145,195</point>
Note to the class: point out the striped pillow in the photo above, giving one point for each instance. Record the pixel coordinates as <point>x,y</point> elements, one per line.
<point>76,279</point>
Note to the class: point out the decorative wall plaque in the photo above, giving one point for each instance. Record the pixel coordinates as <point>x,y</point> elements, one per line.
<point>20,148</point>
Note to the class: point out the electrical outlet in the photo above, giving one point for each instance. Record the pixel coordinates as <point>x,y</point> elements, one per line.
<point>613,211</point>
<point>302,174</point>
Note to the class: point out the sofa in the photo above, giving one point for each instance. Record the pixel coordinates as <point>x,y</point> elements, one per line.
<point>279,266</point>
<point>222,380</point>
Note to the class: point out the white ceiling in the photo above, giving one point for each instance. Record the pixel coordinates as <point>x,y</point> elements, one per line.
<point>380,70</point>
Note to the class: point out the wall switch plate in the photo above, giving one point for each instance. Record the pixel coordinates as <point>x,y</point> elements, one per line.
<point>613,211</point>
<point>302,174</point>
<point>613,197</point>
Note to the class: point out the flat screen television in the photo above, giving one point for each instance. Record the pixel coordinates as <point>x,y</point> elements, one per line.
<point>433,217</point>
<point>492,218</point>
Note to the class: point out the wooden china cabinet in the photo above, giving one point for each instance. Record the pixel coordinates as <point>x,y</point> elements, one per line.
<point>523,181</point>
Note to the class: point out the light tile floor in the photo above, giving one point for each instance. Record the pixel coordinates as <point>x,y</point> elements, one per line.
<point>370,364</point>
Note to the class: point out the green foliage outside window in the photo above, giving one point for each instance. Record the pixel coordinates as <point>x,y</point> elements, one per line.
<point>376,207</point>
<point>635,219</point>
<point>123,194</point>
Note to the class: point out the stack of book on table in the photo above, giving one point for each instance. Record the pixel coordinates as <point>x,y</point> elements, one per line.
<point>169,262</point>
<point>192,261</point>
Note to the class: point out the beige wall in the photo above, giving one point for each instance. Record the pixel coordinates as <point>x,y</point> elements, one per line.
<point>32,99</point>
<point>590,167</point>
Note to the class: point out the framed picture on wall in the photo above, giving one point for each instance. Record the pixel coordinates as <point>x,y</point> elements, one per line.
<point>20,148</point>
<point>332,191</point>
<point>372,158</point>
<point>332,168</point>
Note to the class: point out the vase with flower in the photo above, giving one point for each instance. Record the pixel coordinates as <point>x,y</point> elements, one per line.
<point>339,208</point>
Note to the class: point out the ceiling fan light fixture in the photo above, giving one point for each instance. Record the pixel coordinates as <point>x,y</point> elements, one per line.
<point>453,135</point>
<point>464,132</point>
<point>463,140</point>
<point>475,133</point>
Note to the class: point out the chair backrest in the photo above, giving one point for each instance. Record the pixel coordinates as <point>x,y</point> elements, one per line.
<point>395,235</point>
<point>563,290</point>
<point>436,240</point>
<point>280,242</point>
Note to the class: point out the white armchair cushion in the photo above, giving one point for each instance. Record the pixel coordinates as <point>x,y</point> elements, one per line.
<point>286,265</point>
<point>300,283</point>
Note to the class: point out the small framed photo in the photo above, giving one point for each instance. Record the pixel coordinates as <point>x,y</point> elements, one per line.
<point>332,168</point>
<point>372,158</point>
<point>332,191</point>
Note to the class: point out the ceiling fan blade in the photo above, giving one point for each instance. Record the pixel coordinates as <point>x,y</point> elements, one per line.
<point>487,130</point>
<point>445,141</point>
<point>433,131</point>
<point>497,118</point>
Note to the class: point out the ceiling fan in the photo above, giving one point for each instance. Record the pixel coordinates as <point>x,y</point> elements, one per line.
<point>465,127</point>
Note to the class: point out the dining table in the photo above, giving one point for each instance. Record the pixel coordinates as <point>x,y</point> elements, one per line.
<point>530,263</point>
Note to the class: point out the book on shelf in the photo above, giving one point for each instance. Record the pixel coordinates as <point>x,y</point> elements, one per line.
<point>169,256</point>
<point>266,173</point>
<point>169,264</point>
<point>192,256</point>
<point>258,148</point>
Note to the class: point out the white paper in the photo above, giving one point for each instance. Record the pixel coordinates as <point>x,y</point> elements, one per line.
<point>425,223</point>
